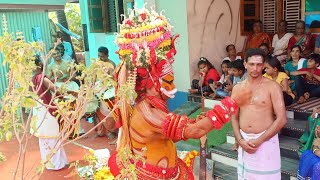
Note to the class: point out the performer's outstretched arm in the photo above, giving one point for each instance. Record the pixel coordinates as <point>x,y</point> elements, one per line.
<point>181,127</point>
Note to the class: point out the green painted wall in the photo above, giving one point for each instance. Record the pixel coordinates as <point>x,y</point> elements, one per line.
<point>176,11</point>
<point>97,39</point>
<point>42,2</point>
<point>24,21</point>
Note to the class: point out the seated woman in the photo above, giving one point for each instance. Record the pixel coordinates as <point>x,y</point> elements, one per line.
<point>305,40</point>
<point>208,75</point>
<point>232,53</point>
<point>309,166</point>
<point>275,71</point>
<point>280,42</point>
<point>258,37</point>
<point>294,63</point>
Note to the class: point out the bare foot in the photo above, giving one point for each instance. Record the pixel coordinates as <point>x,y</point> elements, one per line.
<point>193,91</point>
<point>301,100</point>
<point>213,95</point>
<point>235,147</point>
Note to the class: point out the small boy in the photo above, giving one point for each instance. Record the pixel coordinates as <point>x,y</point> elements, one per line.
<point>308,79</point>
<point>239,73</point>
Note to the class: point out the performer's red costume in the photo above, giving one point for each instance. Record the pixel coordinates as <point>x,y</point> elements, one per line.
<point>146,50</point>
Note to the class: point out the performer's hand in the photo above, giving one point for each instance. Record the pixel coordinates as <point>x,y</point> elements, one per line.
<point>247,147</point>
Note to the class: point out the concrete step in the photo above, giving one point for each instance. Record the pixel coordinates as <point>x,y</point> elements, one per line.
<point>224,172</point>
<point>225,155</point>
<point>288,146</point>
<point>187,108</point>
<point>294,128</point>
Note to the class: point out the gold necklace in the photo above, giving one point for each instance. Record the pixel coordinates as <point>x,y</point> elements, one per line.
<point>254,94</point>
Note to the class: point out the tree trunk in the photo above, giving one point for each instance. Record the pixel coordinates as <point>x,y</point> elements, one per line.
<point>61,16</point>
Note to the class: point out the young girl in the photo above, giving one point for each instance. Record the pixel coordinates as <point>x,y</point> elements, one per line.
<point>224,80</point>
<point>294,64</point>
<point>275,71</point>
<point>208,75</point>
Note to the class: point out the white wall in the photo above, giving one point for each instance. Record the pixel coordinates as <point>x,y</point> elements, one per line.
<point>212,25</point>
<point>176,11</point>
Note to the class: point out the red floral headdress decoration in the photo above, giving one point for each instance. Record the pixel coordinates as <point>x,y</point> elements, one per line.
<point>146,50</point>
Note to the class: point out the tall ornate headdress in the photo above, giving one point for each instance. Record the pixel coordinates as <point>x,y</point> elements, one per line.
<point>146,50</point>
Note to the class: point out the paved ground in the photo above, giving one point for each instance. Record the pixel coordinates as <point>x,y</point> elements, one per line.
<point>75,151</point>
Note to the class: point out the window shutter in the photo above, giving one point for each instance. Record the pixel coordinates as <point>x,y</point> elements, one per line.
<point>291,13</point>
<point>111,16</point>
<point>96,17</point>
<point>249,12</point>
<point>269,16</point>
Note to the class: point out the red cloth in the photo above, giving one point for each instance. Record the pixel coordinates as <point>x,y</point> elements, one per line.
<point>212,74</point>
<point>311,80</point>
<point>307,44</point>
<point>46,98</point>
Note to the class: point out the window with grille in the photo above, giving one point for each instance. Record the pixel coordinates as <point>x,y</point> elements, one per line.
<point>249,12</point>
<point>291,13</point>
<point>104,15</point>
<point>270,12</point>
<point>269,16</point>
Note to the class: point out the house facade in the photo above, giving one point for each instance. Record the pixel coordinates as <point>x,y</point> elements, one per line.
<point>30,18</point>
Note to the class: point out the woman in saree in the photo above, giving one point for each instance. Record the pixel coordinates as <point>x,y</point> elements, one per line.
<point>280,42</point>
<point>257,38</point>
<point>305,40</point>
<point>309,166</point>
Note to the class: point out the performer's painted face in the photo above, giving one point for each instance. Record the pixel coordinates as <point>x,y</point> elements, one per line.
<point>255,65</point>
<point>167,86</point>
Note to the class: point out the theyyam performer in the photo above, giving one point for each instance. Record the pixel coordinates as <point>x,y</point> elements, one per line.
<point>147,129</point>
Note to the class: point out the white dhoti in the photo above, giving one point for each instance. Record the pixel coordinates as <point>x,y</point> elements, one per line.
<point>58,159</point>
<point>264,164</point>
<point>46,128</point>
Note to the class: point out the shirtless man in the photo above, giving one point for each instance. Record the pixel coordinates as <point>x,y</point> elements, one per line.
<point>108,127</point>
<point>61,67</point>
<point>257,123</point>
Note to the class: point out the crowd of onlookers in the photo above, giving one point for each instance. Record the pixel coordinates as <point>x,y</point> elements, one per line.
<point>292,60</point>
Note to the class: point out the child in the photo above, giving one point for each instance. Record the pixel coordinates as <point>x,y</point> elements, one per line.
<point>266,49</point>
<point>232,53</point>
<point>207,76</point>
<point>308,79</point>
<point>294,64</point>
<point>225,79</point>
<point>275,71</point>
<point>239,73</point>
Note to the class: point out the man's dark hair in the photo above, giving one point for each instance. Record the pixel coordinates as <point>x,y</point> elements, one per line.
<point>238,64</point>
<point>315,57</point>
<point>227,48</point>
<point>255,52</point>
<point>103,50</point>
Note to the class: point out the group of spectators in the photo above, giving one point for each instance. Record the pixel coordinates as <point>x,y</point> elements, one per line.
<point>292,60</point>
